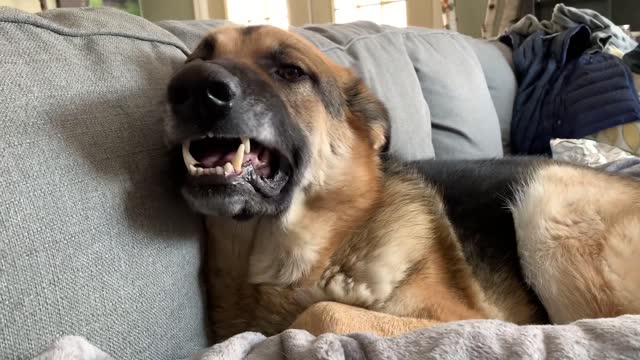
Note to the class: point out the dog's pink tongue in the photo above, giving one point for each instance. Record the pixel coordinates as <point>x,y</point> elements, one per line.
<point>212,159</point>
<point>259,157</point>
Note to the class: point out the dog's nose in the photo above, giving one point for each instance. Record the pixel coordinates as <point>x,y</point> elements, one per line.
<point>205,90</point>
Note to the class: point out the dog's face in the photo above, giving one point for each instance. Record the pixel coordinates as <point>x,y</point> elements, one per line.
<point>260,114</point>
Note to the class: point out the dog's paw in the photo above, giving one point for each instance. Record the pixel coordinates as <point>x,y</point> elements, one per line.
<point>340,287</point>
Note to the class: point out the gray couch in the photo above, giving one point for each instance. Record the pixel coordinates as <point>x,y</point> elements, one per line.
<point>94,239</point>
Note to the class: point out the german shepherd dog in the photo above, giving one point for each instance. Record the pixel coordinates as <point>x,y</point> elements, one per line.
<point>283,151</point>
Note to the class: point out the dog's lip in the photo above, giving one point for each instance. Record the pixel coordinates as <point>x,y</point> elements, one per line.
<point>265,141</point>
<point>214,156</point>
<point>215,162</point>
<point>198,168</point>
<point>264,170</point>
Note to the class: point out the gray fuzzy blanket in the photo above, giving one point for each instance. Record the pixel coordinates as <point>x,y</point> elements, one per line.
<point>615,338</point>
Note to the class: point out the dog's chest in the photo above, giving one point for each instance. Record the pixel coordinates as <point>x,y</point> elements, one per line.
<point>262,251</point>
<point>254,270</point>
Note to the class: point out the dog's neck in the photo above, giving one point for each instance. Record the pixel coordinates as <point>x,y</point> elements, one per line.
<point>296,247</point>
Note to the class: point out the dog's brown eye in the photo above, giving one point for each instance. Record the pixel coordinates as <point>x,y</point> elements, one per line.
<point>290,73</point>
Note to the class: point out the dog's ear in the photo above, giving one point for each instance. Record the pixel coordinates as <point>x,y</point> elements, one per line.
<point>363,104</point>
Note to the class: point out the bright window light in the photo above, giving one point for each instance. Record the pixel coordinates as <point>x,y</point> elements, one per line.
<point>389,12</point>
<point>257,12</point>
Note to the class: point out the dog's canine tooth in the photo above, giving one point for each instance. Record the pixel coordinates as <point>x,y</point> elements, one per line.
<point>189,161</point>
<point>247,145</point>
<point>219,170</point>
<point>228,168</point>
<point>237,160</point>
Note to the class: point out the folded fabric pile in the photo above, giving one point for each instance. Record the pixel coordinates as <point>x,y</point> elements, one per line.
<point>597,155</point>
<point>570,83</point>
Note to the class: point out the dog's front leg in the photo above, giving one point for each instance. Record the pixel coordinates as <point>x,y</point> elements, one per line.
<point>368,277</point>
<point>367,269</point>
<point>336,318</point>
<point>338,285</point>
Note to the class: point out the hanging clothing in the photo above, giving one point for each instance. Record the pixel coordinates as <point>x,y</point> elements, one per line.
<point>603,31</point>
<point>565,92</point>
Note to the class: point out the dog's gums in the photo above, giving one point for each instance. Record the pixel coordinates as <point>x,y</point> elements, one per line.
<point>212,160</point>
<point>220,156</point>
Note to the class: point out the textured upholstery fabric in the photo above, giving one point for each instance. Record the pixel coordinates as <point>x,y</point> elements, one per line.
<point>93,240</point>
<point>190,31</point>
<point>464,121</point>
<point>497,66</point>
<point>432,82</point>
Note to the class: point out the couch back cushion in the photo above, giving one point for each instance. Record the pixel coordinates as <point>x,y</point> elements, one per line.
<point>93,239</point>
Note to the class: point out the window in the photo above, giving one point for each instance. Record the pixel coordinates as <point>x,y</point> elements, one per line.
<point>390,12</point>
<point>254,12</point>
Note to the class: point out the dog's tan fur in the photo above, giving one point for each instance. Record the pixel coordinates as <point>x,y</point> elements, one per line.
<point>382,241</point>
<point>579,233</point>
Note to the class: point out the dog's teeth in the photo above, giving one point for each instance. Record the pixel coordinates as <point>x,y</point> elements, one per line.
<point>247,145</point>
<point>228,168</point>
<point>189,161</point>
<point>237,160</point>
<point>219,170</point>
<point>192,170</point>
<point>210,134</point>
<point>199,171</point>
<point>208,171</point>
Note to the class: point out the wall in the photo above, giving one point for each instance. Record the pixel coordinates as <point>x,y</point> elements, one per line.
<point>419,12</point>
<point>425,13</point>
<point>302,12</point>
<point>627,12</point>
<point>217,9</point>
<point>156,10</point>
<point>471,16</point>
<point>27,5</point>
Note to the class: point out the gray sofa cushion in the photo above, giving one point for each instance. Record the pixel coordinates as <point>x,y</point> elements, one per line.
<point>190,31</point>
<point>93,240</point>
<point>497,65</point>
<point>463,118</point>
<point>433,82</point>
